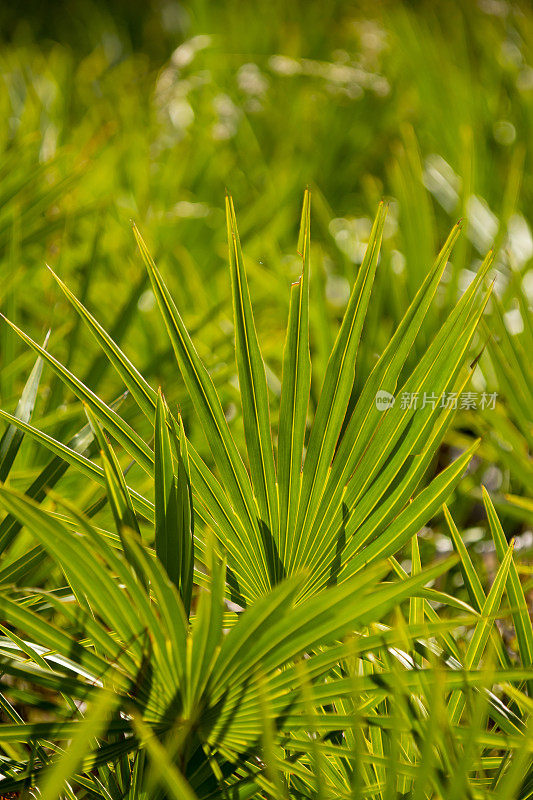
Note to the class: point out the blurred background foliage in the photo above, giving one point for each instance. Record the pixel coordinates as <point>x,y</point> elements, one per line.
<point>148,111</point>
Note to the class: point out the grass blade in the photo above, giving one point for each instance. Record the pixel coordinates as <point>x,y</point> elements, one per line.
<point>481,633</point>
<point>12,437</point>
<point>92,727</point>
<point>515,592</point>
<point>173,505</point>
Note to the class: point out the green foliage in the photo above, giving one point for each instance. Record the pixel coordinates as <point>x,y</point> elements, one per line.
<point>222,571</point>
<point>317,685</point>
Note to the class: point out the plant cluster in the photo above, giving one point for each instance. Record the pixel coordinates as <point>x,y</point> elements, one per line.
<point>273,550</point>
<point>245,629</point>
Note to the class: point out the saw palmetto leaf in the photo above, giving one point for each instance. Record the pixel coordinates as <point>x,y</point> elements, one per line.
<point>209,408</point>
<point>253,389</point>
<point>293,519</point>
<point>338,383</point>
<point>124,433</point>
<point>211,680</point>
<point>308,660</point>
<point>295,387</point>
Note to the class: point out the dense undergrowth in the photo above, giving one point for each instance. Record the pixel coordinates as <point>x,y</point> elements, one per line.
<point>267,509</point>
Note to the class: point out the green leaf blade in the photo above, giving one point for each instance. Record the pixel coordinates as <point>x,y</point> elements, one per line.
<point>254,392</point>
<point>295,387</point>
